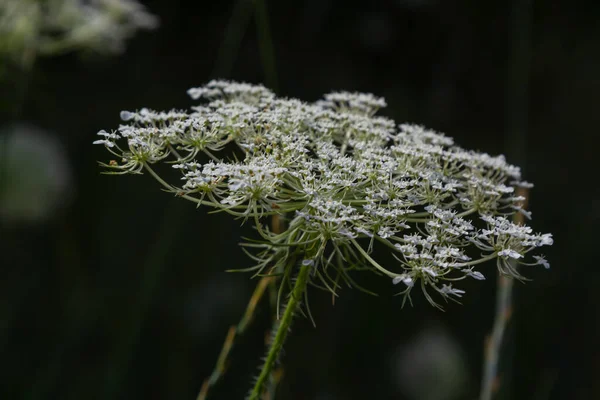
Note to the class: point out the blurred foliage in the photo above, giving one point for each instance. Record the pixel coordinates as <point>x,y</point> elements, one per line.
<point>101,301</point>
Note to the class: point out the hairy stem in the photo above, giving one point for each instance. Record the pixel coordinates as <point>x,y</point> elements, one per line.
<point>281,332</point>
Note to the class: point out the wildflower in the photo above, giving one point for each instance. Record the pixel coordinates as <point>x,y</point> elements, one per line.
<point>407,280</point>
<point>345,180</point>
<point>542,260</point>
<point>476,275</point>
<point>509,253</point>
<point>449,290</point>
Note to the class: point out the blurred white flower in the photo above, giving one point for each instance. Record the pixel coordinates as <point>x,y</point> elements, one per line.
<point>35,176</point>
<point>49,27</point>
<point>431,366</point>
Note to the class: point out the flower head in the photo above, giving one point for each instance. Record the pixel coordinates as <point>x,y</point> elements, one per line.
<point>345,180</point>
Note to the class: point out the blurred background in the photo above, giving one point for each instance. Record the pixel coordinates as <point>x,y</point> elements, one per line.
<point>112,289</point>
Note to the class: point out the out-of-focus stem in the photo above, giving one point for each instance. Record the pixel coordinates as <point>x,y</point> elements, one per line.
<point>504,309</point>
<point>233,332</point>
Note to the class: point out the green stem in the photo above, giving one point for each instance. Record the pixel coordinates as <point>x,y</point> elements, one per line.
<point>281,332</point>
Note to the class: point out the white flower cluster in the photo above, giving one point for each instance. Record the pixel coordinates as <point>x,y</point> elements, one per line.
<point>345,180</point>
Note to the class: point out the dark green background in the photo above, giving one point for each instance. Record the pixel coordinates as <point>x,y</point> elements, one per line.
<point>122,294</point>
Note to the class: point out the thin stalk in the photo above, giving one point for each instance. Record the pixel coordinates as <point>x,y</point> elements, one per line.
<point>493,348</point>
<point>281,332</point>
<point>372,261</point>
<point>234,331</point>
<point>504,310</point>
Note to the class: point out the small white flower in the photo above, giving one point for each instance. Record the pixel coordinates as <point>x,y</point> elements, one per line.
<point>546,240</point>
<point>510,253</point>
<point>105,142</point>
<point>542,260</point>
<point>476,275</point>
<point>127,116</point>
<point>522,184</point>
<point>407,280</point>
<point>430,271</point>
<point>449,290</point>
